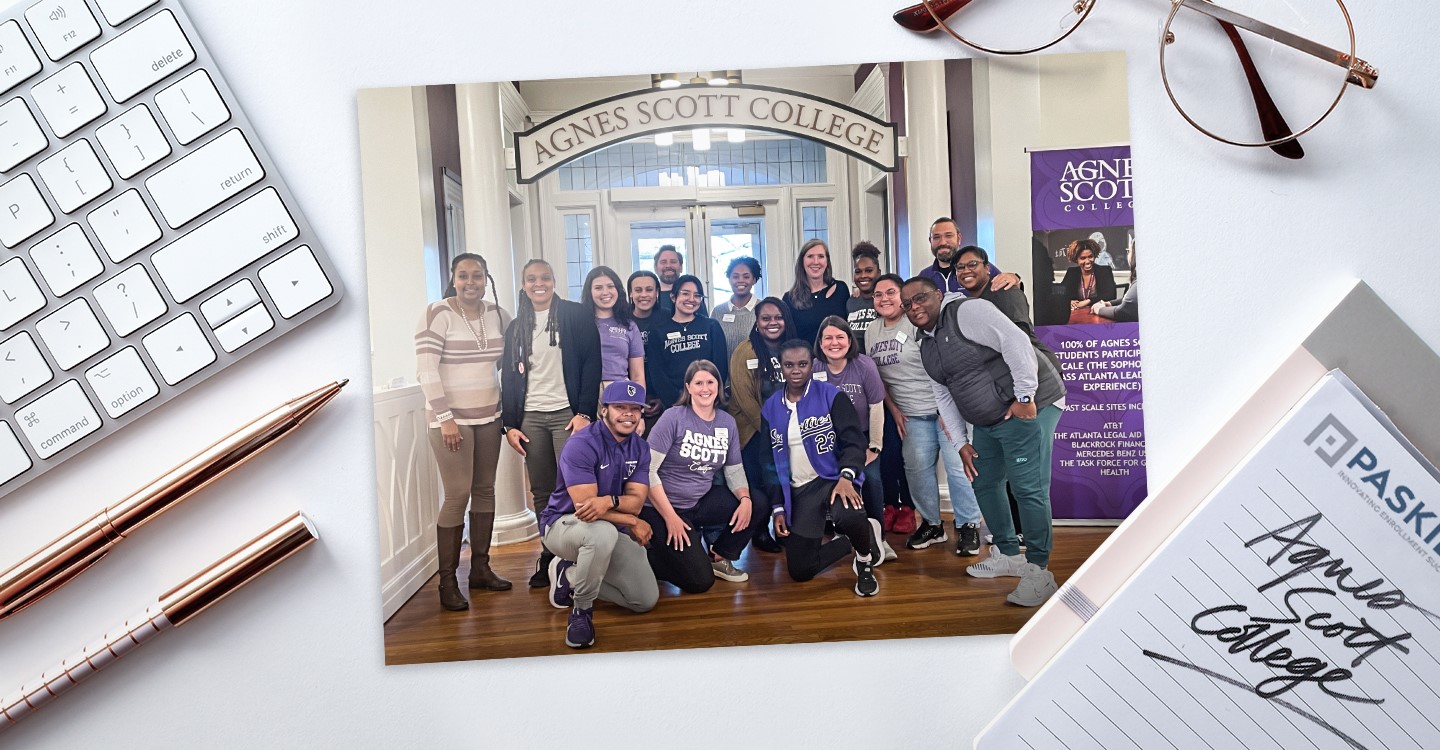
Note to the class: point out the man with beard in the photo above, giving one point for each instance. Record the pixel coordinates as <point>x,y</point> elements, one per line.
<point>669,264</point>
<point>945,239</point>
<point>592,521</point>
<point>986,373</point>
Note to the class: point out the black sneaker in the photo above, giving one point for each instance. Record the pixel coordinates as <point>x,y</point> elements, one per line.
<point>926,535</point>
<point>541,579</point>
<point>865,583</point>
<point>967,542</point>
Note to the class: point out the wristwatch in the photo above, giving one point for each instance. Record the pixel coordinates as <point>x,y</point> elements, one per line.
<point>848,473</point>
<point>614,502</point>
<point>1025,399</point>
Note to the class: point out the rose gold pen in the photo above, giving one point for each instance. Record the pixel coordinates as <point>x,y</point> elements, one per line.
<point>173,609</point>
<point>55,564</point>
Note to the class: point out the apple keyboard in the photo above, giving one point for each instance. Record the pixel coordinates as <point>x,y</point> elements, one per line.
<point>149,241</point>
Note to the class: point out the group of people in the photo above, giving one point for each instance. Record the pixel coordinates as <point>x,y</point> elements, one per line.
<point>661,439</point>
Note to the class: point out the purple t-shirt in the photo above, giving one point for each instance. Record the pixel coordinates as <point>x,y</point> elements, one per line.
<point>695,451</point>
<point>860,380</point>
<point>593,456</point>
<point>617,345</point>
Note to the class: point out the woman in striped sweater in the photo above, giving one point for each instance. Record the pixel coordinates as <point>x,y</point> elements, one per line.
<point>457,350</point>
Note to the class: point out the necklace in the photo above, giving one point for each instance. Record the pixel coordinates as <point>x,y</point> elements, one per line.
<point>482,339</point>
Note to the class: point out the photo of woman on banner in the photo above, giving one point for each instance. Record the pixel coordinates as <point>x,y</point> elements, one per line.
<point>1087,282</point>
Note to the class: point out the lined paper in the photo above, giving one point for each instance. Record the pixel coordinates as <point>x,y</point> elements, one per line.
<point>1296,608</point>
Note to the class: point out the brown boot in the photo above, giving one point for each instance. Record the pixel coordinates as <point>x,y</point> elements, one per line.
<point>448,545</point>
<point>481,576</point>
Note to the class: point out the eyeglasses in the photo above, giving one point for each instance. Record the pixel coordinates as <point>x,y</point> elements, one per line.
<point>918,299</point>
<point>1211,72</point>
<point>968,265</point>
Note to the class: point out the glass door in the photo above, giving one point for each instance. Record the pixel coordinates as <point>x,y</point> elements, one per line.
<point>707,238</point>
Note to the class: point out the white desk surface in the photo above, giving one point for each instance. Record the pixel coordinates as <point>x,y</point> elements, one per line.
<point>1243,253</point>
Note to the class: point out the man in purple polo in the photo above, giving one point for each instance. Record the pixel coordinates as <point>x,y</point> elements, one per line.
<point>945,242</point>
<point>592,521</point>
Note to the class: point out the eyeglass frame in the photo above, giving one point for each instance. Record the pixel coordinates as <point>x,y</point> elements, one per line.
<point>927,16</point>
<point>918,298</point>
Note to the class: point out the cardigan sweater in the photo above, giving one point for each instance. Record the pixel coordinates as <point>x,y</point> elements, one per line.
<point>579,361</point>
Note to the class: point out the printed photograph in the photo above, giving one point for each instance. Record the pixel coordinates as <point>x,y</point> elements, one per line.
<point>692,359</point>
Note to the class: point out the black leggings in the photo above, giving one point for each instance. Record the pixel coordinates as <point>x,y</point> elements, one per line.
<point>892,468</point>
<point>806,555</point>
<point>690,568</point>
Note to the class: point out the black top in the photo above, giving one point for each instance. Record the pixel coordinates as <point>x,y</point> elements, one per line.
<point>1104,283</point>
<point>671,349</point>
<point>807,321</point>
<point>579,361</point>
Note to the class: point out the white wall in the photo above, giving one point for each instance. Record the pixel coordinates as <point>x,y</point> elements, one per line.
<point>398,195</point>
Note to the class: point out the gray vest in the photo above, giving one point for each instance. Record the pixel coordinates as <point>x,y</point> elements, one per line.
<point>977,376</point>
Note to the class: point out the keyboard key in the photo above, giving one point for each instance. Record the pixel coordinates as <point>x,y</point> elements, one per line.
<point>130,300</point>
<point>223,245</point>
<point>66,260</point>
<point>19,294</point>
<point>20,135</point>
<point>22,211</point>
<point>121,382</point>
<point>231,302</point>
<point>58,419</point>
<point>68,100</point>
<point>17,60</point>
<point>147,53</point>
<point>72,333</point>
<point>62,26</point>
<point>179,349</point>
<point>244,328</point>
<point>192,107</point>
<point>124,225</point>
<point>205,178</point>
<point>133,141</point>
<point>22,368</point>
<point>295,282</point>
<point>74,176</point>
<point>13,458</point>
<point>117,12</point>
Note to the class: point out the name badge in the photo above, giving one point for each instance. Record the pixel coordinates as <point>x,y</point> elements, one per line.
<point>901,337</point>
<point>752,364</point>
<point>671,336</point>
<point>727,318</point>
<point>820,376</point>
<point>722,433</point>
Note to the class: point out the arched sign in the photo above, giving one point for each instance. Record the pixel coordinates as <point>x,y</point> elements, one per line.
<point>594,126</point>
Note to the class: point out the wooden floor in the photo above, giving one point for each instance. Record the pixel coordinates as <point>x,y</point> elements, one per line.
<point>925,593</point>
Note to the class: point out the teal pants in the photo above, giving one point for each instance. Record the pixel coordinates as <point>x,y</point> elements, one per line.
<point>1017,451</point>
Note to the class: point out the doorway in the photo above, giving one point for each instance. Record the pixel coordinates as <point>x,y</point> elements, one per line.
<point>708,237</point>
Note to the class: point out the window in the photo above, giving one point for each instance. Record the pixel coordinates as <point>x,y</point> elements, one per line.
<point>815,224</point>
<point>579,251</point>
<point>763,161</point>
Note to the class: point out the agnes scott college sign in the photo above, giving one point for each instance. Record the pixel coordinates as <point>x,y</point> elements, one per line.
<point>599,124</point>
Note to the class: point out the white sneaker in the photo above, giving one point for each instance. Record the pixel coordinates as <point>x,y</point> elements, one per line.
<point>889,551</point>
<point>998,564</point>
<point>877,543</point>
<point>1036,585</point>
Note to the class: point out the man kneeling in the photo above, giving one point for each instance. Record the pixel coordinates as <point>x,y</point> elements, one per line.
<point>591,522</point>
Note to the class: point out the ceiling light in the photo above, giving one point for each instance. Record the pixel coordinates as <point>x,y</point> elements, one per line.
<point>666,138</point>
<point>700,139</point>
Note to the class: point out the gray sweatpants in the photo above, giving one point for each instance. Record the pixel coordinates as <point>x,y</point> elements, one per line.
<point>609,564</point>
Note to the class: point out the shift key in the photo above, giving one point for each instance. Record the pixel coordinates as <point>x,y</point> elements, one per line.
<point>150,51</point>
<point>205,178</point>
<point>224,245</point>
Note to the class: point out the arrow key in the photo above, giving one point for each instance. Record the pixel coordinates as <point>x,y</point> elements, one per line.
<point>232,301</point>
<point>179,349</point>
<point>244,328</point>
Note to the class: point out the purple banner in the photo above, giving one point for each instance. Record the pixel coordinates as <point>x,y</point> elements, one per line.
<point>1081,188</point>
<point>1099,461</point>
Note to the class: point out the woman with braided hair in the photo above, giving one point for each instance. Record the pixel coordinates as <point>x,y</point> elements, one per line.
<point>457,349</point>
<point>550,382</point>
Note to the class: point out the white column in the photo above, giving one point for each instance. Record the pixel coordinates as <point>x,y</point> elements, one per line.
<point>927,160</point>
<point>487,232</point>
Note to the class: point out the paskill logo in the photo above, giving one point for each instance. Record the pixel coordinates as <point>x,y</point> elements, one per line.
<point>1362,470</point>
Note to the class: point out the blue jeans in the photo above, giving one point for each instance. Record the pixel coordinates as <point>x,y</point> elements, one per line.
<point>923,441</point>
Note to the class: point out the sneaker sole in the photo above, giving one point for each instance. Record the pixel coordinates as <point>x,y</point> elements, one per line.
<point>930,543</point>
<point>967,552</point>
<point>579,645</point>
<point>877,543</point>
<point>552,571</point>
<point>1016,600</point>
<point>988,574</point>
<point>743,577</point>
